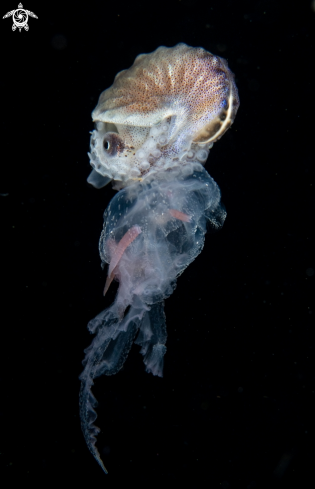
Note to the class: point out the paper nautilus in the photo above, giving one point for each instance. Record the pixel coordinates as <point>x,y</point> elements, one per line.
<point>170,106</point>
<point>153,130</point>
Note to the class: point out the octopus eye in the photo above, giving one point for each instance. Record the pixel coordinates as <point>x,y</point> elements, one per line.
<point>106,144</point>
<point>112,143</point>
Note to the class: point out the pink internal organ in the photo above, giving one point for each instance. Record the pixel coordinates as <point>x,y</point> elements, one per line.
<point>118,251</point>
<point>179,215</point>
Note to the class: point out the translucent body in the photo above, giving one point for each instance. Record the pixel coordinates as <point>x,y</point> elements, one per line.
<point>154,129</point>
<point>171,213</point>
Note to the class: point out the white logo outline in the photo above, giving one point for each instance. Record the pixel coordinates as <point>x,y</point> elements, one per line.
<point>20,17</point>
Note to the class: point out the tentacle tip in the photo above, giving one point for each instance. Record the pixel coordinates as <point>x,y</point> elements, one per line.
<point>99,460</point>
<point>103,466</point>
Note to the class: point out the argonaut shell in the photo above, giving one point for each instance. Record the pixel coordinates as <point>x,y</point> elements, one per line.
<point>168,108</point>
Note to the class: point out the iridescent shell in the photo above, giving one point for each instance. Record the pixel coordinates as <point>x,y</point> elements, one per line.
<point>167,109</point>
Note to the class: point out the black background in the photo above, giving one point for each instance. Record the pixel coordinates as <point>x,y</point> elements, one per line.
<point>235,408</point>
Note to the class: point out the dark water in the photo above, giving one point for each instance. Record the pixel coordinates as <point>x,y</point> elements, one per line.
<point>235,407</point>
